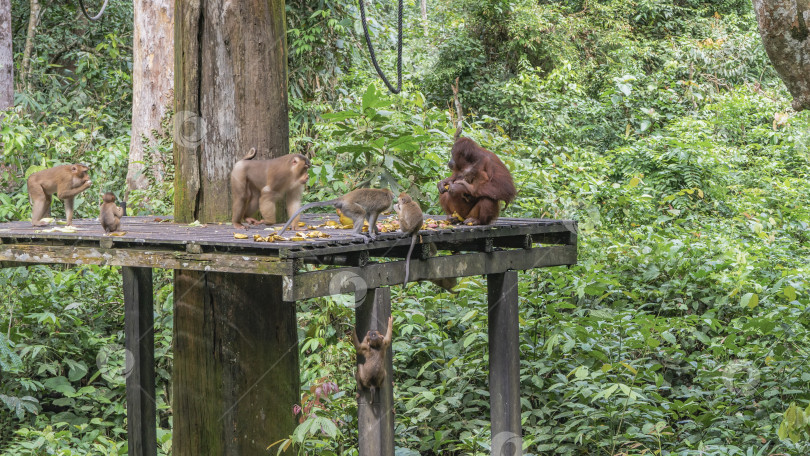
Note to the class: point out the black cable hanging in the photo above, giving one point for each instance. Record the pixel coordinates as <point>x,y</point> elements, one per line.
<point>374,57</point>
<point>97,16</point>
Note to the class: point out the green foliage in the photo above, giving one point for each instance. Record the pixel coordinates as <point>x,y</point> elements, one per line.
<point>659,126</point>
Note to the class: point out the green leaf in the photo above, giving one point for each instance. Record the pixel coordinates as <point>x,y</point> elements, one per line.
<point>749,300</point>
<point>370,97</point>
<point>340,116</point>
<point>77,370</point>
<point>59,384</point>
<point>468,315</point>
<point>790,293</point>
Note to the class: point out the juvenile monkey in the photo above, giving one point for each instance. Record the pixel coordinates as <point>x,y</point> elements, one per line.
<point>410,222</point>
<point>257,185</point>
<point>110,214</point>
<point>360,204</point>
<point>371,358</point>
<point>66,181</point>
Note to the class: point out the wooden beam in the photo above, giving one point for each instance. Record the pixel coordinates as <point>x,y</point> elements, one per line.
<point>331,281</point>
<point>235,376</point>
<point>140,344</point>
<point>375,420</point>
<point>504,363</point>
<point>144,258</point>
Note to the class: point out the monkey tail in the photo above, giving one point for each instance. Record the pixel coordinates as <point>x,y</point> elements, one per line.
<point>304,208</point>
<point>408,258</point>
<point>250,154</point>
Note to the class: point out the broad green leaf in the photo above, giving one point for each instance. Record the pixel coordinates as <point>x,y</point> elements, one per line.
<point>749,300</point>
<point>370,97</point>
<point>790,293</point>
<point>340,116</point>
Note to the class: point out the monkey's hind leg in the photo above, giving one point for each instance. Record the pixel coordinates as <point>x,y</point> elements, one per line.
<point>267,205</point>
<point>40,205</point>
<point>356,212</point>
<point>69,210</point>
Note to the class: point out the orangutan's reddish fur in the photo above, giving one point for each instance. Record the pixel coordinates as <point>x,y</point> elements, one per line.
<point>479,182</point>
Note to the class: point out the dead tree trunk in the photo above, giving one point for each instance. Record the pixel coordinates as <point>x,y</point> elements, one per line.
<point>783,27</point>
<point>33,21</point>
<point>6,57</point>
<point>152,82</point>
<point>236,374</point>
<point>424,17</point>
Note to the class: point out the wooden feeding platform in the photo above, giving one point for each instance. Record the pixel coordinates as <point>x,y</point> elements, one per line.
<point>337,263</point>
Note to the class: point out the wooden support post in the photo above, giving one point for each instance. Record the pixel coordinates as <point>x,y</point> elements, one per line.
<point>140,344</point>
<point>504,364</point>
<point>376,421</point>
<point>235,376</point>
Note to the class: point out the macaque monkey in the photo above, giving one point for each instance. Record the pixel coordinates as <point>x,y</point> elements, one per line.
<point>257,185</point>
<point>66,181</point>
<point>371,358</point>
<point>410,222</point>
<point>110,214</point>
<point>360,204</point>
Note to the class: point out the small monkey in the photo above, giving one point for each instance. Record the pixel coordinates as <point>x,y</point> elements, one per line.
<point>410,222</point>
<point>373,350</point>
<point>110,214</point>
<point>257,185</point>
<point>360,204</point>
<point>66,181</point>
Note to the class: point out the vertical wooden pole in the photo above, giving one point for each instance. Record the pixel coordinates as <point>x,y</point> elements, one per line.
<point>140,344</point>
<point>504,364</point>
<point>236,376</point>
<point>376,421</point>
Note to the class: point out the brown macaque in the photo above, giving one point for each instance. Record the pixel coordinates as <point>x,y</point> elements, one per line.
<point>371,358</point>
<point>479,182</point>
<point>65,181</point>
<point>110,214</point>
<point>257,185</point>
<point>360,204</point>
<point>410,222</point>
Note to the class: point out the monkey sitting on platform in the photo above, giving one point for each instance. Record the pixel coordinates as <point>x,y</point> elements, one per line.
<point>410,222</point>
<point>110,214</point>
<point>371,358</point>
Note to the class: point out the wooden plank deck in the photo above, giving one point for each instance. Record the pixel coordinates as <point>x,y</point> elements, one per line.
<point>339,262</point>
<point>160,232</point>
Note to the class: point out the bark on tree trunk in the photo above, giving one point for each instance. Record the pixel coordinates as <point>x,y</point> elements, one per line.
<point>33,21</point>
<point>783,25</point>
<point>152,83</point>
<point>424,17</point>
<point>235,372</point>
<point>230,89</point>
<point>6,57</point>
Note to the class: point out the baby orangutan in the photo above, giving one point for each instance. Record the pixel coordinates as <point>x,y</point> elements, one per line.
<point>371,358</point>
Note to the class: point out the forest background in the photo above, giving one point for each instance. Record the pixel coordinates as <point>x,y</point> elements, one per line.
<point>660,126</point>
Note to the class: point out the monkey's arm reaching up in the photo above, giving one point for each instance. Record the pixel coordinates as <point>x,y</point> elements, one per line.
<point>356,342</point>
<point>389,333</point>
